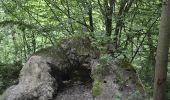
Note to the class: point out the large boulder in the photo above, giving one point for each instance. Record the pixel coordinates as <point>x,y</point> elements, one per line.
<point>117,84</point>
<point>73,70</point>
<point>51,68</point>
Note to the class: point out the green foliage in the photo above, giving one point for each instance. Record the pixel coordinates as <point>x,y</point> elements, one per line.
<point>96,90</point>
<point>29,25</point>
<point>100,41</point>
<point>146,75</point>
<point>9,74</point>
<point>105,59</point>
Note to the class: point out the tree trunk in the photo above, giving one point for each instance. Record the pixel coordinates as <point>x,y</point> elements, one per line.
<point>108,8</point>
<point>124,8</point>
<point>90,17</point>
<point>162,53</point>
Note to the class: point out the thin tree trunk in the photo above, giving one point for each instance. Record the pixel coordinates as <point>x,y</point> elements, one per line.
<point>33,42</point>
<point>15,44</point>
<point>91,18</point>
<point>162,53</point>
<point>124,8</point>
<point>151,49</point>
<point>108,8</point>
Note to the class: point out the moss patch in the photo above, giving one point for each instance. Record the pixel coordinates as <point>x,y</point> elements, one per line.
<point>96,90</point>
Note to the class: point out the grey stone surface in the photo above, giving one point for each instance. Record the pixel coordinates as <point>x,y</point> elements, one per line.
<point>41,76</point>
<point>35,82</point>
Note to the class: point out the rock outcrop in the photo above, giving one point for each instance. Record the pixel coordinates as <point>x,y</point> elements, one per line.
<point>49,68</point>
<point>65,72</point>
